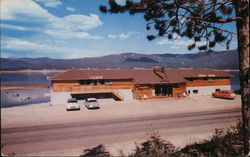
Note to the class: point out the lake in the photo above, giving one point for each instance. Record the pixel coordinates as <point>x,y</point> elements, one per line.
<point>26,77</point>
<point>23,97</point>
<point>235,81</point>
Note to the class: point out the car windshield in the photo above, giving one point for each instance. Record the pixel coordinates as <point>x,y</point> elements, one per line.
<point>92,101</point>
<point>226,92</point>
<point>72,101</point>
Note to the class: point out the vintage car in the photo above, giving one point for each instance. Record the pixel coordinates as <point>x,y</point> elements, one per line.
<point>91,103</point>
<point>72,104</point>
<point>226,94</point>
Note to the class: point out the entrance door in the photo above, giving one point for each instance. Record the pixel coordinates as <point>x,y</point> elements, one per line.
<point>163,90</point>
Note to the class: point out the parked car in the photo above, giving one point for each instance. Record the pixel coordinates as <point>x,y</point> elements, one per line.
<point>91,103</point>
<point>72,104</point>
<point>226,94</point>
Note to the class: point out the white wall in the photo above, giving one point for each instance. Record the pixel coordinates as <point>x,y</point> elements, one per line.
<point>126,93</point>
<point>59,97</point>
<point>207,90</point>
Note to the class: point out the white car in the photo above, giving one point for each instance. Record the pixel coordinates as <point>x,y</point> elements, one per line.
<point>91,103</point>
<point>72,104</point>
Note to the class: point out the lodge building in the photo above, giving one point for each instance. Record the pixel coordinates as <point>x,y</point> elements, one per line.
<point>136,83</point>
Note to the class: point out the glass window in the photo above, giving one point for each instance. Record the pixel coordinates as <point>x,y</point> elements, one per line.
<point>101,81</point>
<point>88,82</point>
<point>195,91</point>
<point>82,82</point>
<point>108,82</point>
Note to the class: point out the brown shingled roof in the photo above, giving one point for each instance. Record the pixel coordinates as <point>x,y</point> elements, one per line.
<point>202,73</point>
<point>139,76</point>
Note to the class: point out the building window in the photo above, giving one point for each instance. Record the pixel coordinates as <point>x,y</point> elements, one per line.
<point>217,90</point>
<point>101,81</point>
<point>192,79</point>
<point>88,82</point>
<point>108,82</point>
<point>195,91</point>
<point>82,82</point>
<point>223,78</point>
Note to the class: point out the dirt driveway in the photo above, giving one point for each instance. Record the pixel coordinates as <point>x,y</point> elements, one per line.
<point>198,116</point>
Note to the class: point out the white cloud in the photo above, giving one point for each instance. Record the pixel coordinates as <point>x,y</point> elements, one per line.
<point>121,36</point>
<point>74,26</point>
<point>175,47</point>
<point>19,28</point>
<point>77,22</point>
<point>18,9</point>
<point>177,42</point>
<point>41,49</point>
<point>121,2</point>
<point>51,3</point>
<point>18,44</point>
<point>65,34</point>
<point>112,36</point>
<point>71,26</point>
<point>70,9</point>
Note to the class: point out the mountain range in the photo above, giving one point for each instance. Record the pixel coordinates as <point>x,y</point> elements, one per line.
<point>212,60</point>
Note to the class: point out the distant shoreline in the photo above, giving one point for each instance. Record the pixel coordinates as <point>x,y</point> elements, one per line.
<point>49,71</point>
<point>29,70</point>
<point>8,87</point>
<point>229,70</point>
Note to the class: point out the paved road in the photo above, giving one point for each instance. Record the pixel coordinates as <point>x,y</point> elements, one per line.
<point>23,140</point>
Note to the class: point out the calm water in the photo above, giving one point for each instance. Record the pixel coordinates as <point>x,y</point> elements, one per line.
<point>23,97</point>
<point>26,77</point>
<point>235,82</point>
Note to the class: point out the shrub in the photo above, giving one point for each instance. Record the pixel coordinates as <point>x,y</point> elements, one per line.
<point>98,151</point>
<point>222,143</point>
<point>154,146</point>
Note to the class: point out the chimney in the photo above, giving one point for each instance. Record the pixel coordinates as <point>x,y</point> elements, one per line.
<point>159,71</point>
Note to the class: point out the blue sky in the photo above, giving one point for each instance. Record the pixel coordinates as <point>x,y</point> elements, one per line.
<point>76,29</point>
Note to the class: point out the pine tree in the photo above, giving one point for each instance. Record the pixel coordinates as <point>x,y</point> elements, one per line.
<point>199,20</point>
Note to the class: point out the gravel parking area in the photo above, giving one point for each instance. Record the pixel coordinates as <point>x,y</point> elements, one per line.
<point>47,115</point>
<point>39,114</point>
